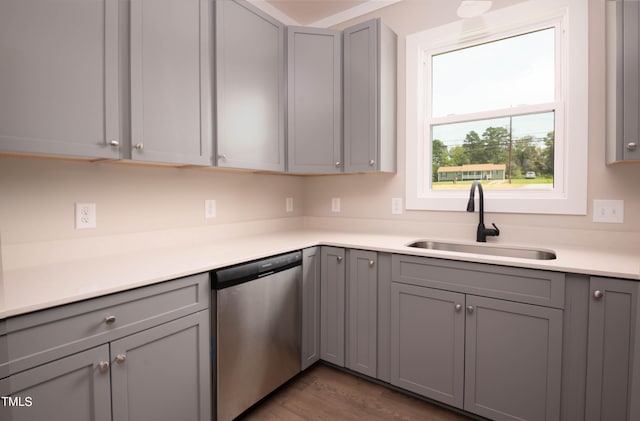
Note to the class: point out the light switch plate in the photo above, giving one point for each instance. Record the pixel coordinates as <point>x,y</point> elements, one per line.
<point>335,204</point>
<point>608,211</point>
<point>210,211</point>
<point>396,205</point>
<point>289,204</point>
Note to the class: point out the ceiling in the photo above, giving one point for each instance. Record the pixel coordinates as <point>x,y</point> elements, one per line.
<point>319,13</point>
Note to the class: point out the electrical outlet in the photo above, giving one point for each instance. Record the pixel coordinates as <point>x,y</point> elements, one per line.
<point>396,205</point>
<point>608,211</point>
<point>210,209</point>
<point>289,204</point>
<point>85,215</point>
<point>335,204</point>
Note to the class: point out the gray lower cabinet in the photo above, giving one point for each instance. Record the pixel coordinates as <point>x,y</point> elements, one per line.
<point>332,305</point>
<point>613,368</point>
<point>136,355</point>
<point>427,342</point>
<point>250,87</point>
<point>59,83</point>
<point>74,388</point>
<point>162,373</point>
<point>314,107</point>
<point>486,339</point>
<point>494,358</point>
<point>362,315</point>
<point>369,70</point>
<point>310,306</point>
<point>171,113</point>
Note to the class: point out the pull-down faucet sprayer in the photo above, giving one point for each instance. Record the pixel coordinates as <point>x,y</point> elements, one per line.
<point>482,233</point>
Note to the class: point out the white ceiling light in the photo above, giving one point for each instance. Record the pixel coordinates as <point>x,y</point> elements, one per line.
<point>473,8</point>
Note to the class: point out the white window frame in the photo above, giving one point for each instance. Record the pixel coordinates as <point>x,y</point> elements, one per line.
<point>569,194</point>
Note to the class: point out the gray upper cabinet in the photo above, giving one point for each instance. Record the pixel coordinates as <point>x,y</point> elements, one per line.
<point>250,88</point>
<point>310,306</point>
<point>362,314</point>
<point>623,79</point>
<point>332,305</point>
<point>613,368</point>
<point>59,78</point>
<point>314,108</point>
<point>370,97</point>
<point>171,47</point>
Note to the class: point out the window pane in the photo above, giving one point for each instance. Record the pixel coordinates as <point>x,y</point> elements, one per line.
<point>509,152</point>
<point>501,74</point>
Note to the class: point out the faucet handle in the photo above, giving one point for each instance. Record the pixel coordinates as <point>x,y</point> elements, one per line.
<point>496,232</point>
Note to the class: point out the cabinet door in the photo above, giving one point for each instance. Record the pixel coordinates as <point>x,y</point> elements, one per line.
<point>513,360</point>
<point>314,128</point>
<point>250,87</point>
<point>427,342</point>
<point>310,306</point>
<point>59,80</point>
<point>74,388</point>
<point>171,81</point>
<point>370,63</point>
<point>362,314</point>
<point>332,302</point>
<point>612,372</point>
<point>163,373</point>
<point>630,90</point>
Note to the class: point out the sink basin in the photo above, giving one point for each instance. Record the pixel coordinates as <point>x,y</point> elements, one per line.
<point>502,251</point>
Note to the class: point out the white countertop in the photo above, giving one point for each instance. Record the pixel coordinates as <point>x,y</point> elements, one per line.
<point>38,287</point>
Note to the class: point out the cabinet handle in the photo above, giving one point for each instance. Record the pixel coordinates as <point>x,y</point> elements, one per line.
<point>110,320</point>
<point>338,163</point>
<point>469,309</point>
<point>632,146</point>
<point>139,146</point>
<point>339,258</point>
<point>114,143</point>
<point>103,366</point>
<point>121,358</point>
<point>371,263</point>
<point>222,157</point>
<point>458,307</point>
<point>597,294</point>
<point>372,162</point>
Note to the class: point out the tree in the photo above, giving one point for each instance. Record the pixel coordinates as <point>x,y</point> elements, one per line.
<point>439,157</point>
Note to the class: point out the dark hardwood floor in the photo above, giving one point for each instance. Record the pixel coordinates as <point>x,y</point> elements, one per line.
<point>325,393</point>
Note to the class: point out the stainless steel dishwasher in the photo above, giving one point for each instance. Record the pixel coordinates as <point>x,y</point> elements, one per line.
<point>255,330</point>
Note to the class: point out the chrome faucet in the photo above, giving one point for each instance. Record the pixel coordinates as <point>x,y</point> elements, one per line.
<point>483,232</point>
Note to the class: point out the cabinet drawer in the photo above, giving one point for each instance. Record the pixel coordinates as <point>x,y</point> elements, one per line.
<point>530,286</point>
<point>42,336</point>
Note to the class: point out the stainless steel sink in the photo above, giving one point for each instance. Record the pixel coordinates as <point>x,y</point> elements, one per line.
<point>502,251</point>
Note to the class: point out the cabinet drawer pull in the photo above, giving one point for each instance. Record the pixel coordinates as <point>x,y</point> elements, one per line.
<point>339,258</point>
<point>372,162</point>
<point>103,366</point>
<point>139,146</point>
<point>110,320</point>
<point>632,146</point>
<point>114,143</point>
<point>597,294</point>
<point>458,307</point>
<point>371,263</point>
<point>469,309</point>
<point>338,164</point>
<point>121,358</point>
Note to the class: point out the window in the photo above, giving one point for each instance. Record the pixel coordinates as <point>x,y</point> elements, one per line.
<point>495,104</point>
